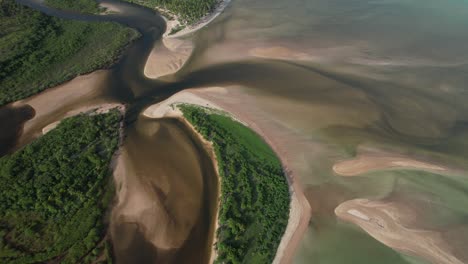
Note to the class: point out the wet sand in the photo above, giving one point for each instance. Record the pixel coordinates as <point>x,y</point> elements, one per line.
<point>100,109</point>
<point>299,210</point>
<point>170,55</point>
<point>383,221</point>
<point>110,8</point>
<point>167,57</point>
<point>204,21</point>
<point>168,109</point>
<point>364,163</point>
<point>81,94</point>
<point>166,194</point>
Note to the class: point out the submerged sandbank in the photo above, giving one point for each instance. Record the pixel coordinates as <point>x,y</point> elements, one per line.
<point>299,207</point>
<point>385,222</point>
<point>373,160</point>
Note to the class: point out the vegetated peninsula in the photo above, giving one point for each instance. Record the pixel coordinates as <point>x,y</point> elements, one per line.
<point>55,191</point>
<point>255,199</point>
<point>38,51</point>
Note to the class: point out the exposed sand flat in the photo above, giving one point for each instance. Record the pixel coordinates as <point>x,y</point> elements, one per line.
<point>101,109</point>
<point>110,8</point>
<point>300,209</point>
<point>167,58</point>
<point>81,94</point>
<point>383,221</point>
<point>222,4</point>
<point>368,162</point>
<point>168,108</point>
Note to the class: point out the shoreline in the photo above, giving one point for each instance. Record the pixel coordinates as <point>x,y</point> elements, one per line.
<point>299,215</point>
<point>91,110</point>
<point>173,52</point>
<point>188,29</point>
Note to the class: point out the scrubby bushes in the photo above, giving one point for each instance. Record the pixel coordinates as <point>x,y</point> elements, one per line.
<point>254,192</point>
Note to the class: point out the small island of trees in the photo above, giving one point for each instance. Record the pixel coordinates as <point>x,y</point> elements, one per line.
<point>254,207</point>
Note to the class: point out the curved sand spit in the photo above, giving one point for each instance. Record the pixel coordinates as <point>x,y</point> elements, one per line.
<point>109,8</point>
<point>383,221</point>
<point>222,4</point>
<point>170,55</point>
<point>80,94</point>
<point>300,209</point>
<point>369,162</point>
<point>100,109</point>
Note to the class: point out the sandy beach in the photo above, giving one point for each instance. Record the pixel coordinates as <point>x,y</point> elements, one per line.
<point>204,21</point>
<point>101,109</point>
<point>109,8</point>
<point>299,209</point>
<point>383,221</point>
<point>80,94</point>
<point>374,160</point>
<point>169,55</point>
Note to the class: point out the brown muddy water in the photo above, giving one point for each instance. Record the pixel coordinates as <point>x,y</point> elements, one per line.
<point>167,195</point>
<point>334,77</point>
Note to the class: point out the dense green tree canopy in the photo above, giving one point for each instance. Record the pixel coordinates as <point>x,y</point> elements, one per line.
<point>54,192</point>
<point>38,51</point>
<point>254,192</point>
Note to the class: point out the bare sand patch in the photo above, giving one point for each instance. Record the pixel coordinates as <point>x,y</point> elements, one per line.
<point>176,21</point>
<point>101,109</point>
<point>110,8</point>
<point>167,58</point>
<point>81,94</point>
<point>383,221</point>
<point>372,161</point>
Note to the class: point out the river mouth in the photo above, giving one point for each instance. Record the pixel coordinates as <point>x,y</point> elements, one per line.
<point>331,76</point>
